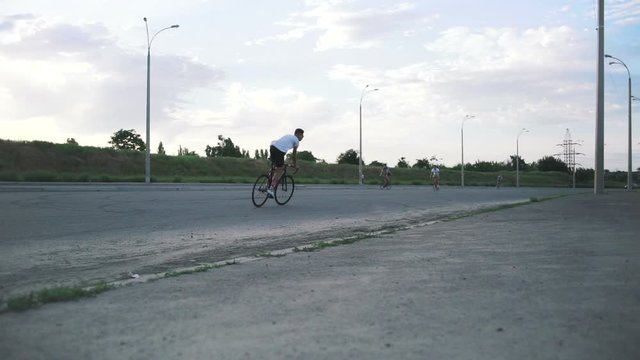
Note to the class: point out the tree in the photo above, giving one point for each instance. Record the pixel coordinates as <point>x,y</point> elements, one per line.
<point>161,149</point>
<point>487,166</point>
<point>376,163</point>
<point>422,164</point>
<point>514,163</point>
<point>348,157</point>
<point>225,148</point>
<point>550,163</point>
<point>72,141</point>
<point>306,156</point>
<point>259,154</point>
<point>584,175</point>
<point>127,140</point>
<point>402,163</point>
<point>183,151</point>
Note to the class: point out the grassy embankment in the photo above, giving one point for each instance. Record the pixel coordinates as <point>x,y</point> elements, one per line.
<point>47,162</point>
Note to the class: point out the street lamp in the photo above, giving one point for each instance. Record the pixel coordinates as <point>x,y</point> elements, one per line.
<point>466,117</point>
<point>518,156</point>
<point>147,158</point>
<point>360,175</point>
<point>629,157</point>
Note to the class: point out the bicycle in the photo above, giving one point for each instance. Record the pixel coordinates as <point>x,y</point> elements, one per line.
<point>436,183</point>
<point>282,192</point>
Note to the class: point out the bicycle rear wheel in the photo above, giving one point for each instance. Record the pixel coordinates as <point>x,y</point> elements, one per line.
<point>285,189</point>
<point>259,194</point>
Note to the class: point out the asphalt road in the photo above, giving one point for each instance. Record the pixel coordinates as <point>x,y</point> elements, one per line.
<point>553,279</point>
<point>74,234</point>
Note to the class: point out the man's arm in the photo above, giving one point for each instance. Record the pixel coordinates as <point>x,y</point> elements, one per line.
<point>293,156</point>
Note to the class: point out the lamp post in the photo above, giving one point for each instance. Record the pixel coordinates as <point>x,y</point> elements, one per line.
<point>629,157</point>
<point>518,156</point>
<point>147,158</point>
<point>598,178</point>
<point>466,117</point>
<point>360,175</point>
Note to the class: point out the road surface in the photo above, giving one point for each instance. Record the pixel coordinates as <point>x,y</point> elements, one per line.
<point>79,234</point>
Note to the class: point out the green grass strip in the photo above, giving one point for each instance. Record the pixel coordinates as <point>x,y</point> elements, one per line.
<point>44,296</point>
<point>203,268</point>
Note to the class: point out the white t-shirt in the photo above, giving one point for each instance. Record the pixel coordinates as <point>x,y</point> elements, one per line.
<point>435,171</point>
<point>286,143</point>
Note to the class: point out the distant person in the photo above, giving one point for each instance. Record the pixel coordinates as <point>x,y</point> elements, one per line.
<point>435,177</point>
<point>386,174</point>
<point>278,149</point>
<point>499,181</point>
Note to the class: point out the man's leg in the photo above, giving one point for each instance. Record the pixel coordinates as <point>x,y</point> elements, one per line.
<point>277,157</point>
<point>277,174</point>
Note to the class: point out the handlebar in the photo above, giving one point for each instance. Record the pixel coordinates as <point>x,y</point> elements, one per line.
<point>294,167</point>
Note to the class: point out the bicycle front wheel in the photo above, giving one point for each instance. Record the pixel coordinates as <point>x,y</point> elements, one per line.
<point>259,195</point>
<point>285,189</point>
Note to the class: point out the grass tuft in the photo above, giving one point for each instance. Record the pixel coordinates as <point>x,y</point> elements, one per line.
<point>202,268</point>
<point>44,296</point>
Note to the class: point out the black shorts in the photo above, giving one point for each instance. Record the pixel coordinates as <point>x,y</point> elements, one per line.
<point>277,156</point>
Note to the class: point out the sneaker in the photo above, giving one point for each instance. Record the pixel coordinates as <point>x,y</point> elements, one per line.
<point>270,193</point>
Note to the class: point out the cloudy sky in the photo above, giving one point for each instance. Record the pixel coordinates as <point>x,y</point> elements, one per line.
<point>253,70</point>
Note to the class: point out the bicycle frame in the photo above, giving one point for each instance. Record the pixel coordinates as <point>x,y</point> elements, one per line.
<point>272,173</point>
<point>283,176</point>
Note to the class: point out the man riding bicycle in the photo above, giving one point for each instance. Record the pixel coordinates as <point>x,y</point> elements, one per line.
<point>435,176</point>
<point>278,149</point>
<point>385,173</point>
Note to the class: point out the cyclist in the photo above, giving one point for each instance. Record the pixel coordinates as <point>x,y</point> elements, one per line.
<point>435,176</point>
<point>278,149</point>
<point>385,173</point>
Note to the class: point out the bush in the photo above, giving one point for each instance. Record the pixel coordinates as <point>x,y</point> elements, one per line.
<point>41,176</point>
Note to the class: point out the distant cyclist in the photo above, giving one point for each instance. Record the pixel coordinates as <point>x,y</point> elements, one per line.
<point>435,177</point>
<point>386,174</point>
<point>278,149</point>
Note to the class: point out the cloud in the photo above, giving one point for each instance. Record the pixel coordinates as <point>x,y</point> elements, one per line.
<point>249,115</point>
<point>536,78</point>
<point>81,76</point>
<point>81,80</point>
<point>493,49</point>
<point>519,67</point>
<point>487,69</point>
<point>624,12</point>
<point>340,28</point>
